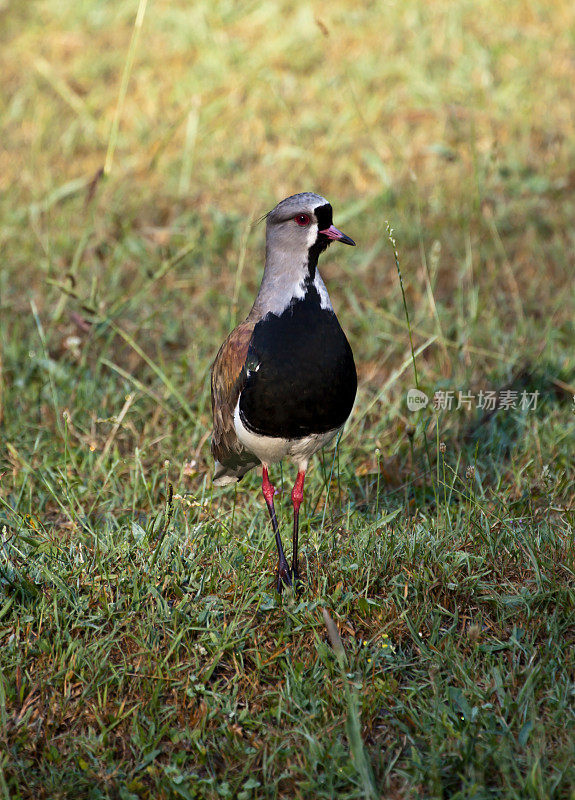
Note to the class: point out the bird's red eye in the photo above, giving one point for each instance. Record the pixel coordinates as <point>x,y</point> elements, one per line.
<point>302,219</point>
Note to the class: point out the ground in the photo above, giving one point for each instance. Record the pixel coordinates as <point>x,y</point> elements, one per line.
<point>144,652</point>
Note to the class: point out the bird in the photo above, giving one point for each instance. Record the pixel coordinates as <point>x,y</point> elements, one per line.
<point>284,381</point>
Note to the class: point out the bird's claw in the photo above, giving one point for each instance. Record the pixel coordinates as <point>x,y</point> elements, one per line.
<point>284,577</point>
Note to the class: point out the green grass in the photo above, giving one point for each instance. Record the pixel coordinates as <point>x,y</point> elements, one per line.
<point>143,653</point>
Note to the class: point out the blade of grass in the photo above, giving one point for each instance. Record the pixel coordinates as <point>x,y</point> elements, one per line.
<point>128,66</point>
<point>353,719</point>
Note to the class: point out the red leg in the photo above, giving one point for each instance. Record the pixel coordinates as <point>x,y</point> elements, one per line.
<point>284,575</point>
<point>296,498</point>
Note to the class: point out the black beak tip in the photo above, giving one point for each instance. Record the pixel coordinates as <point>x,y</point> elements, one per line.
<point>346,240</point>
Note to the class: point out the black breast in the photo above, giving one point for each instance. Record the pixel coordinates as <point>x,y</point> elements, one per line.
<point>301,374</point>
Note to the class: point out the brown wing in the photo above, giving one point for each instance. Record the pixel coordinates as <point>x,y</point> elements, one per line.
<point>228,378</point>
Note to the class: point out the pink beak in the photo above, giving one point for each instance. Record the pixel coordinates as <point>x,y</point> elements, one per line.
<point>333,233</point>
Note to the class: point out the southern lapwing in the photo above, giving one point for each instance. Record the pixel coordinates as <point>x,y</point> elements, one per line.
<point>284,381</point>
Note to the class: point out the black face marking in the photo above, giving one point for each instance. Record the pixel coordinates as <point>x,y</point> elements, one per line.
<point>306,379</point>
<point>324,217</point>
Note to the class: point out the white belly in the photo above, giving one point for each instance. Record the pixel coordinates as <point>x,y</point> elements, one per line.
<point>270,449</point>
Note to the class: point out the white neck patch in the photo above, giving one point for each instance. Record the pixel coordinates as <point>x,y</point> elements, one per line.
<point>319,285</point>
<point>324,300</point>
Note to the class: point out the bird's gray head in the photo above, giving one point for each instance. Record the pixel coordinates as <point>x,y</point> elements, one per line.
<point>298,229</point>
<point>301,227</point>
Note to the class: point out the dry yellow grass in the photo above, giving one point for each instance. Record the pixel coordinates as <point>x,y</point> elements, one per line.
<point>270,96</point>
